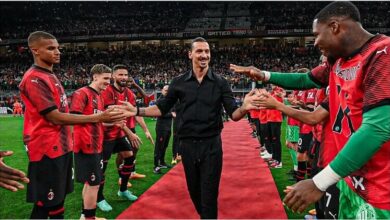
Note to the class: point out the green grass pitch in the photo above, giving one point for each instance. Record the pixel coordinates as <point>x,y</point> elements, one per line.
<point>14,205</point>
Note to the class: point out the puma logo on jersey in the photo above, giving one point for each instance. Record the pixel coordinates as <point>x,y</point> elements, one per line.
<point>384,50</point>
<point>57,84</point>
<point>333,215</point>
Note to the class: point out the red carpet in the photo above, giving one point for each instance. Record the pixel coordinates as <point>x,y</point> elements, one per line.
<point>247,189</point>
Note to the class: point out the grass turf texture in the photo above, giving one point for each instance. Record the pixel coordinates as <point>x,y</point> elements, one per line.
<point>14,205</point>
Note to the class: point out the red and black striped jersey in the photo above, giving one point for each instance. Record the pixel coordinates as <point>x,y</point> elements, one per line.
<point>263,116</point>
<point>356,85</point>
<point>274,115</point>
<point>113,96</point>
<point>306,97</point>
<point>88,138</point>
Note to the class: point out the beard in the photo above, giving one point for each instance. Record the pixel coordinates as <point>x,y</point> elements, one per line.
<point>121,83</point>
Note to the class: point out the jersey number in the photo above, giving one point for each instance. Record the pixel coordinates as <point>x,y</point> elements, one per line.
<point>341,114</point>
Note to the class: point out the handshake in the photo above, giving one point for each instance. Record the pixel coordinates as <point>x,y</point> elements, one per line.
<point>115,114</point>
<point>258,99</point>
<point>263,100</point>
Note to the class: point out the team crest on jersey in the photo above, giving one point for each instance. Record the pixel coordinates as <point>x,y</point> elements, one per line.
<point>93,177</point>
<point>347,73</point>
<point>97,111</point>
<point>50,195</point>
<point>366,211</point>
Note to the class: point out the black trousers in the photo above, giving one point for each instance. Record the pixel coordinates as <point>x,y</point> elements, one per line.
<point>274,135</point>
<point>175,142</point>
<point>264,139</point>
<point>202,161</point>
<point>160,147</point>
<point>256,121</point>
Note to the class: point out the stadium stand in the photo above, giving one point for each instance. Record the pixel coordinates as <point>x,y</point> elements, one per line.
<point>152,66</point>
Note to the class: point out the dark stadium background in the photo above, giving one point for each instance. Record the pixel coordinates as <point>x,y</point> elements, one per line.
<point>152,39</point>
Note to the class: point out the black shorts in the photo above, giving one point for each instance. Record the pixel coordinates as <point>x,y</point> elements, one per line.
<point>257,124</point>
<point>116,146</point>
<point>313,151</point>
<point>89,168</point>
<point>50,180</point>
<point>304,142</point>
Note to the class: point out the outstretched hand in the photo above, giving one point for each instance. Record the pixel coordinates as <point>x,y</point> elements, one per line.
<point>112,115</point>
<point>252,100</point>
<point>250,71</point>
<point>10,178</point>
<point>127,109</point>
<point>267,100</point>
<point>135,140</point>
<point>149,137</point>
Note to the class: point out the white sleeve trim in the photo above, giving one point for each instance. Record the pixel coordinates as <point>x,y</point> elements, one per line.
<point>326,178</point>
<point>267,75</point>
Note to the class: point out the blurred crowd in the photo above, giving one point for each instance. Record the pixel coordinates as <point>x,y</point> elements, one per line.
<point>64,19</point>
<point>154,66</point>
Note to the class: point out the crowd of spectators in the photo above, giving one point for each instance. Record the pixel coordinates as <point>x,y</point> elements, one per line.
<point>65,19</point>
<point>154,66</point>
<point>92,18</point>
<point>293,15</point>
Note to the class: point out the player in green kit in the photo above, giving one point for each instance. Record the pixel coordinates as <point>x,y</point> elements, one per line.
<point>359,104</point>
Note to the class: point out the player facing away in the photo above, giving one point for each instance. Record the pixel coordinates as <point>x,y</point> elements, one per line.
<point>47,139</point>
<point>88,138</point>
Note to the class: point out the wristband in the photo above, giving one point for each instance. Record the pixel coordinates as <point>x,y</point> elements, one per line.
<point>326,178</point>
<point>267,76</point>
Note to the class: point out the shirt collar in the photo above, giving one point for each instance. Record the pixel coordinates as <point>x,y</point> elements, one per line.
<point>94,90</point>
<point>42,69</point>
<point>357,51</point>
<point>190,74</point>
